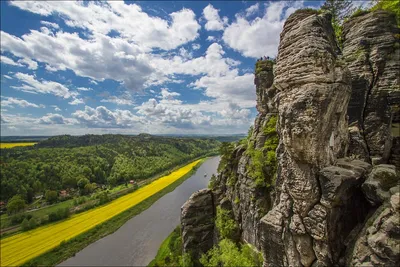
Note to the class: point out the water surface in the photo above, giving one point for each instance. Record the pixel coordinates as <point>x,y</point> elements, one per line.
<point>136,243</point>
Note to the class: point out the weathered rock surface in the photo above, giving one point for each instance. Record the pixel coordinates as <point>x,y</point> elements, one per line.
<point>312,83</point>
<point>371,51</point>
<point>377,187</point>
<point>330,200</point>
<point>197,220</point>
<point>378,243</point>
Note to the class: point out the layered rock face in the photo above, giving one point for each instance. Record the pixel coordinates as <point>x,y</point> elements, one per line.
<point>314,90</point>
<point>371,50</point>
<point>197,220</point>
<point>310,186</point>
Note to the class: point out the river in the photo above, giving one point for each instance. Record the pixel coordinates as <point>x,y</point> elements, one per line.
<point>136,243</point>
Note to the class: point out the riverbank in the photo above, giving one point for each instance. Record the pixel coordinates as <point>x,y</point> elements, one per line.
<point>7,229</point>
<point>58,249</point>
<point>137,241</point>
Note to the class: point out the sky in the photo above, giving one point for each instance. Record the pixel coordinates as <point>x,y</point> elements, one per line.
<point>134,67</point>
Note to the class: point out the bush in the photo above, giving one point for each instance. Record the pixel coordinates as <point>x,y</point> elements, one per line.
<point>15,205</point>
<point>103,198</point>
<point>51,196</point>
<point>59,214</point>
<point>18,218</point>
<point>25,225</point>
<point>226,226</point>
<point>227,253</point>
<point>32,223</point>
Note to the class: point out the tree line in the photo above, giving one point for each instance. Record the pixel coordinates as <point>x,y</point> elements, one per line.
<point>82,162</point>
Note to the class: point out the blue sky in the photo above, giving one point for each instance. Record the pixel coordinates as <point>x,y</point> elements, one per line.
<point>132,67</point>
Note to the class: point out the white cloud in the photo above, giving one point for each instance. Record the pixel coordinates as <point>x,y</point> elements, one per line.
<point>76,101</point>
<point>99,58</point>
<point>32,85</point>
<point>50,24</point>
<point>32,65</point>
<point>252,9</point>
<point>51,118</point>
<point>118,101</point>
<point>7,77</point>
<point>56,108</point>
<point>260,36</point>
<point>93,82</point>
<point>211,38</point>
<point>103,117</point>
<point>9,61</point>
<point>12,102</point>
<point>196,46</point>
<point>127,19</point>
<point>214,22</point>
<point>84,89</point>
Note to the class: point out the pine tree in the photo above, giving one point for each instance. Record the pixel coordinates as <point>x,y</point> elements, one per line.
<point>340,9</point>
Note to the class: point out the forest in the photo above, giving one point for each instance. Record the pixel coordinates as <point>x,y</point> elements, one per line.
<point>82,163</point>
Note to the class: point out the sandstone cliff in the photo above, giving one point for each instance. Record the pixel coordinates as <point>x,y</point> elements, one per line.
<point>311,185</point>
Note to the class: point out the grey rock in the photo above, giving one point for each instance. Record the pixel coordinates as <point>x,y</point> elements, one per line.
<point>373,58</point>
<point>197,220</point>
<point>380,180</point>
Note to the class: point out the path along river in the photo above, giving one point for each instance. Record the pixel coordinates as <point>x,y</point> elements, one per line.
<point>136,243</point>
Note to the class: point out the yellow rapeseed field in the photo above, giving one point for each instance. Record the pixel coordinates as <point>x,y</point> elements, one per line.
<point>10,145</point>
<point>17,249</point>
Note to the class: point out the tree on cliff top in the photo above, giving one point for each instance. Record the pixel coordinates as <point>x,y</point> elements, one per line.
<point>340,9</point>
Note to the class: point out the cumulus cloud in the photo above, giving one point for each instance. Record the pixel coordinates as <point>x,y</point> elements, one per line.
<point>32,65</point>
<point>118,101</point>
<point>103,117</point>
<point>52,118</point>
<point>211,38</point>
<point>9,61</point>
<point>260,36</point>
<point>127,19</point>
<point>196,46</point>
<point>99,58</point>
<point>31,85</point>
<point>12,102</point>
<point>56,108</point>
<point>50,24</point>
<point>76,101</point>
<point>214,22</point>
<point>252,9</point>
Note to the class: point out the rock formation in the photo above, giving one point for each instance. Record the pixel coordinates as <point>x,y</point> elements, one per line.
<point>197,220</point>
<point>311,185</point>
<point>371,50</point>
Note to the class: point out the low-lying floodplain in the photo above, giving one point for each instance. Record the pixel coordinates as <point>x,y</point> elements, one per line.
<point>20,248</point>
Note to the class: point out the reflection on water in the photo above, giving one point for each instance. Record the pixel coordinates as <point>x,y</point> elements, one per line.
<point>137,241</point>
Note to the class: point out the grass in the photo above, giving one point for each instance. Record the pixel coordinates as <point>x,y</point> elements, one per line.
<point>53,248</point>
<point>11,145</point>
<point>5,220</point>
<point>169,251</point>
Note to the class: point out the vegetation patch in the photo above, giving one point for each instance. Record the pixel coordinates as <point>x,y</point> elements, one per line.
<point>264,65</point>
<point>226,225</point>
<point>228,253</point>
<point>263,163</point>
<point>68,248</point>
<point>170,252</point>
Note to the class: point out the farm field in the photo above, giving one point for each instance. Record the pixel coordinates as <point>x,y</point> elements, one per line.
<point>11,145</point>
<point>20,248</point>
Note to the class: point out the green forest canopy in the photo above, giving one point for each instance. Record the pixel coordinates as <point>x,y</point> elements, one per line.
<point>61,161</point>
